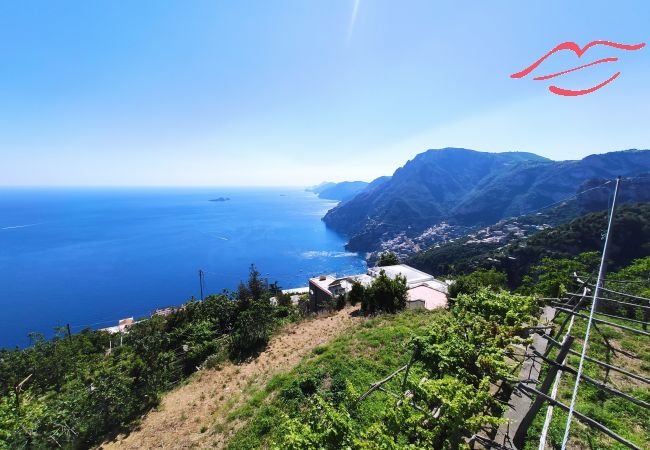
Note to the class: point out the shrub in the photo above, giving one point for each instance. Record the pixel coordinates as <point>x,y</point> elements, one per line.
<point>468,284</point>
<point>77,391</point>
<point>284,299</point>
<point>461,410</point>
<point>340,302</point>
<point>385,294</point>
<point>554,277</point>
<point>356,294</point>
<point>215,361</point>
<point>499,307</point>
<point>253,329</point>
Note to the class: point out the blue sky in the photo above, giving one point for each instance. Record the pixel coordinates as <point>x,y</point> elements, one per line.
<point>295,92</point>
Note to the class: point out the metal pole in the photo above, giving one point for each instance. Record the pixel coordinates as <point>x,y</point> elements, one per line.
<point>201,282</point>
<point>599,283</point>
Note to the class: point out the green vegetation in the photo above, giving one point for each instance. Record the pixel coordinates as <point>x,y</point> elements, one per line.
<point>632,354</point>
<point>334,373</point>
<point>387,259</point>
<point>469,284</point>
<point>76,390</point>
<point>356,294</point>
<point>555,277</point>
<point>385,294</point>
<point>453,359</point>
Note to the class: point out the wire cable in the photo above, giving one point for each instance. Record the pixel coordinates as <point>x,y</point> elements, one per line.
<point>636,297</point>
<point>594,303</point>
<point>556,385</point>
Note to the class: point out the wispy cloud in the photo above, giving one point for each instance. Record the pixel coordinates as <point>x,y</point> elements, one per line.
<point>353,19</point>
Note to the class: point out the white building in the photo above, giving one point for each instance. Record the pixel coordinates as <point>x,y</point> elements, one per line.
<point>295,294</point>
<point>424,290</point>
<point>121,327</point>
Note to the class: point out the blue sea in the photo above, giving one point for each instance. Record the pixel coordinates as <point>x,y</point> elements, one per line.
<point>89,257</point>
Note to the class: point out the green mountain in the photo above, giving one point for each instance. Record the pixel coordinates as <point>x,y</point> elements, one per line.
<point>469,189</point>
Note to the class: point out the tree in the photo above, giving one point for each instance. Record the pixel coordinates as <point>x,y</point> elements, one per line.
<point>385,294</point>
<point>340,302</point>
<point>275,289</point>
<point>356,294</point>
<point>256,286</point>
<point>388,259</point>
<point>220,309</point>
<point>252,330</point>
<point>283,300</point>
<point>243,295</point>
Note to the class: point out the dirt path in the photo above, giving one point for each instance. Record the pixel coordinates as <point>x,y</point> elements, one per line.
<point>187,415</point>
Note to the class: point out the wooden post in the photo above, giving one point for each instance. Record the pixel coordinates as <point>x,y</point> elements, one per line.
<point>19,388</point>
<point>520,434</point>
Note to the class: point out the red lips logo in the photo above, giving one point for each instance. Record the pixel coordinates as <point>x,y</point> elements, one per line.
<point>579,52</point>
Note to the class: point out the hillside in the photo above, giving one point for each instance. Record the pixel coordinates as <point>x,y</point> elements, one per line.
<point>192,414</point>
<point>305,390</point>
<point>469,189</point>
<point>630,240</point>
<point>354,360</point>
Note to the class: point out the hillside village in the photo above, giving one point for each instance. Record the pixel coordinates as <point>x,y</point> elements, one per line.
<point>502,232</point>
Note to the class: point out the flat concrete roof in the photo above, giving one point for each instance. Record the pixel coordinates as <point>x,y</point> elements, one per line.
<point>411,274</point>
<point>363,279</point>
<point>437,285</point>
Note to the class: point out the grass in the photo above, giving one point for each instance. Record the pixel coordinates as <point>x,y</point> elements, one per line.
<point>362,355</point>
<point>619,415</point>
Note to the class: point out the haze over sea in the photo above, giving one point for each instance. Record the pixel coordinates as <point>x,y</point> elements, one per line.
<point>94,256</point>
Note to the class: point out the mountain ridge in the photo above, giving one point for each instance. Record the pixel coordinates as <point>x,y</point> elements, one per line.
<point>469,188</point>
<point>345,190</point>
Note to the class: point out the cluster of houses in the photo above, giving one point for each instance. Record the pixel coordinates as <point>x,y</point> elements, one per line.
<point>121,327</point>
<point>124,324</point>
<point>424,291</point>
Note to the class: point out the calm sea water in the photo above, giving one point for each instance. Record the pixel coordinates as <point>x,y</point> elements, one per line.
<point>91,257</point>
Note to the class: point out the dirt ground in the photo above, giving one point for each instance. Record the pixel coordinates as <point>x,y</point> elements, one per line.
<point>189,415</point>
